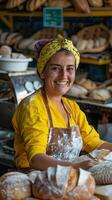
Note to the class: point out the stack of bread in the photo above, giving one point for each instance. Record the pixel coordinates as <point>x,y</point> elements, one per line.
<point>6,52</point>
<point>81,88</point>
<point>83,6</point>
<point>9,38</point>
<point>55,183</point>
<point>85,88</point>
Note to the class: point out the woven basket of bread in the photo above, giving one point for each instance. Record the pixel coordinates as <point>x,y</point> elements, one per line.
<point>93,39</point>
<point>108,2</point>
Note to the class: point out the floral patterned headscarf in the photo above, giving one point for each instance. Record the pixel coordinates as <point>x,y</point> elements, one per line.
<point>45,49</point>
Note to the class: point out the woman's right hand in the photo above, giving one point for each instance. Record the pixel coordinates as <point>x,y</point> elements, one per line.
<point>86,164</point>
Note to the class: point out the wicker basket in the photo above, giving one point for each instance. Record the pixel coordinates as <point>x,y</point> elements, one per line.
<point>94,32</point>
<point>108,2</point>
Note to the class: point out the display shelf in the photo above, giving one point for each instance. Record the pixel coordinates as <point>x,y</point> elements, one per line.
<point>95,61</point>
<point>93,107</point>
<point>7,16</point>
<point>104,11</point>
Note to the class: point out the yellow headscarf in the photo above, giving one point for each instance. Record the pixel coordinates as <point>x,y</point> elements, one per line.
<point>52,47</point>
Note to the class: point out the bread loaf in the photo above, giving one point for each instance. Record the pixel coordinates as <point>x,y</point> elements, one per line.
<point>87,83</point>
<point>60,3</point>
<point>96,3</point>
<point>32,5</point>
<point>81,6</point>
<point>100,94</point>
<point>65,183</point>
<point>5,50</point>
<point>102,172</point>
<point>77,91</point>
<point>14,186</point>
<point>14,3</point>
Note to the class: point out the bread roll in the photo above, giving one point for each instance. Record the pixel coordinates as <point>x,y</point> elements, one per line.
<point>95,3</point>
<point>24,43</point>
<point>14,186</point>
<point>11,38</point>
<point>102,172</point>
<point>5,50</point>
<point>81,44</point>
<point>77,91</point>
<point>65,183</point>
<point>59,3</point>
<point>32,5</point>
<point>14,3</point>
<point>3,37</point>
<point>81,6</point>
<point>100,94</point>
<point>87,83</point>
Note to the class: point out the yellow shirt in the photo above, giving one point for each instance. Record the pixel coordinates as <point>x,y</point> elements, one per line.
<point>31,126</point>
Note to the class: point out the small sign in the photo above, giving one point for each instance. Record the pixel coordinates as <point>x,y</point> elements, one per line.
<point>53,17</point>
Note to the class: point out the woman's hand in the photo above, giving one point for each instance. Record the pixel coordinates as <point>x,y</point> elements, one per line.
<point>86,164</point>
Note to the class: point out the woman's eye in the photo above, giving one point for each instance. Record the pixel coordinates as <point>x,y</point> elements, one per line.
<point>70,69</point>
<point>55,69</point>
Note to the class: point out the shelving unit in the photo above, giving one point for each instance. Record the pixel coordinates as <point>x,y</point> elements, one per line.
<point>7,16</point>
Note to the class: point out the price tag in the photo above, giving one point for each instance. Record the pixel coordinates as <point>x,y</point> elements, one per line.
<point>53,17</point>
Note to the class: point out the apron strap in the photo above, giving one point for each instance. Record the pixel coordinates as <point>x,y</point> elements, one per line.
<point>47,106</point>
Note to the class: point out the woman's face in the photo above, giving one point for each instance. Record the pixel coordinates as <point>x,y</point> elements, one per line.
<point>59,74</point>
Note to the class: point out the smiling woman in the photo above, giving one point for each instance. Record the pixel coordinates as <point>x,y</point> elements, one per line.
<point>61,71</point>
<point>50,129</point>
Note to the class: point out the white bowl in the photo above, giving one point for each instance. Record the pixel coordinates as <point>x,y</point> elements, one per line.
<point>14,65</point>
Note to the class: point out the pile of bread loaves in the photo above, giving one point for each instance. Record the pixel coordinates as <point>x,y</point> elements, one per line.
<point>6,52</point>
<point>88,89</point>
<point>32,5</point>
<point>56,183</point>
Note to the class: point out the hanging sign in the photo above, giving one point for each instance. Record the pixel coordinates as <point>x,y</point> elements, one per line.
<point>53,17</point>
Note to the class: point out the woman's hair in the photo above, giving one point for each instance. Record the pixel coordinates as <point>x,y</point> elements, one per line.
<point>66,51</point>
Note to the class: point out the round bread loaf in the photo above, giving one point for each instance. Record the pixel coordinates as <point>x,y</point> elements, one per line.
<point>5,50</point>
<point>77,91</point>
<point>14,186</point>
<point>100,94</point>
<point>63,183</point>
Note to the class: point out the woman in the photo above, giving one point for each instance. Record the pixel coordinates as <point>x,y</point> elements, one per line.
<point>49,128</point>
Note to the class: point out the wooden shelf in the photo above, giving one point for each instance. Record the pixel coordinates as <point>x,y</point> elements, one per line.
<point>95,61</point>
<point>7,16</point>
<point>105,11</point>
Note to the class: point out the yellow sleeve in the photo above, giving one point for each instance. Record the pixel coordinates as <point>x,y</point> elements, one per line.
<point>33,127</point>
<point>91,138</point>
